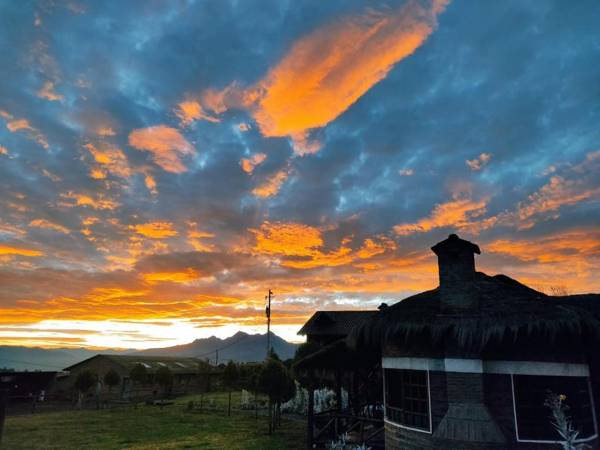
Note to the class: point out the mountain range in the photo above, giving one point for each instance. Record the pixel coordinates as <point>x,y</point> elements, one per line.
<point>240,347</point>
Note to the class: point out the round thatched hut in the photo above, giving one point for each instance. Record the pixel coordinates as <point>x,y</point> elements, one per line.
<point>471,364</point>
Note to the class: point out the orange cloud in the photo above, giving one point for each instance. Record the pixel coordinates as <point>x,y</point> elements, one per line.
<point>371,248</point>
<point>18,251</point>
<point>15,125</point>
<point>556,248</point>
<point>105,131</point>
<point>248,164</point>
<point>325,72</point>
<point>301,246</point>
<point>47,92</point>
<point>458,213</point>
<point>191,110</point>
<point>303,145</point>
<point>195,239</point>
<point>271,185</point>
<point>292,239</point>
<point>97,174</point>
<point>172,277</point>
<point>165,144</point>
<point>111,158</point>
<point>480,162</point>
<point>100,202</point>
<point>46,224</point>
<point>150,183</point>
<point>554,195</point>
<point>155,230</point>
<point>567,259</point>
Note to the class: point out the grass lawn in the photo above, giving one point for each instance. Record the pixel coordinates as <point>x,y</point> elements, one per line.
<point>149,427</point>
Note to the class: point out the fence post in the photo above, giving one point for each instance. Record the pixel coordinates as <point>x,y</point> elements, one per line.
<point>310,417</point>
<point>3,402</point>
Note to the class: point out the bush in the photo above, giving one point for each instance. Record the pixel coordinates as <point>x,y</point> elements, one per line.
<point>139,374</point>
<point>112,379</point>
<point>85,380</point>
<point>164,378</point>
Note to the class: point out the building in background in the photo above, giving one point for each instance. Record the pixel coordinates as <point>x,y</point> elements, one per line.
<point>185,372</point>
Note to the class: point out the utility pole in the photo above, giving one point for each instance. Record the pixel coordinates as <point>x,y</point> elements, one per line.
<point>217,358</point>
<point>268,313</point>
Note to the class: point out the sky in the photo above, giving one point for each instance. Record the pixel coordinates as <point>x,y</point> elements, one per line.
<point>164,163</point>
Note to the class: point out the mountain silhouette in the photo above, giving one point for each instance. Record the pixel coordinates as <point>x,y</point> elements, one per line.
<point>241,347</point>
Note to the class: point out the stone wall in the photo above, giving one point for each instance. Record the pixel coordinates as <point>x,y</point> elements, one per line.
<point>498,399</point>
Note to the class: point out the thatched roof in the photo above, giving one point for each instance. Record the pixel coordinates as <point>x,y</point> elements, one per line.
<point>334,323</point>
<point>507,310</point>
<point>337,355</point>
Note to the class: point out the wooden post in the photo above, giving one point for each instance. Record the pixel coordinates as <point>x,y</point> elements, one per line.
<point>338,388</point>
<point>355,400</point>
<point>310,417</point>
<point>255,403</point>
<point>3,402</point>
<point>229,405</point>
<point>270,416</point>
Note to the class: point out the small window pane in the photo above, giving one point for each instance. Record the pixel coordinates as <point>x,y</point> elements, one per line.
<point>407,398</point>
<point>533,417</point>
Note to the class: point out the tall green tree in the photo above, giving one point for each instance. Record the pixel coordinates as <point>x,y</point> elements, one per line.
<point>111,379</point>
<point>231,376</point>
<point>164,378</point>
<point>138,375</point>
<point>204,374</point>
<point>276,381</point>
<point>84,381</point>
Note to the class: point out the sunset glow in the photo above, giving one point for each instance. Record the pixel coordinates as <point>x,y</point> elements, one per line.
<point>152,192</point>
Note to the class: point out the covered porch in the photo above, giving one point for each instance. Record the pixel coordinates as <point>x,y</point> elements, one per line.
<point>357,373</point>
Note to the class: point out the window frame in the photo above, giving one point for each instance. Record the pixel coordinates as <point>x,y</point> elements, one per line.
<point>385,404</point>
<point>553,442</point>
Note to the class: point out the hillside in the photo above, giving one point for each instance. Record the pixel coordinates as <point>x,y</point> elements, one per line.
<point>241,347</point>
<point>35,358</point>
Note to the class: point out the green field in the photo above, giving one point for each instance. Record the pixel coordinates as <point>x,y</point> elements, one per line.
<point>150,427</point>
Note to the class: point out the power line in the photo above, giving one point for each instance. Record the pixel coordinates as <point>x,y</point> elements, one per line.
<point>223,348</point>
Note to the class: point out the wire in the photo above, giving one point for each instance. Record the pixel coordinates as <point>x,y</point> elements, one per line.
<point>223,348</point>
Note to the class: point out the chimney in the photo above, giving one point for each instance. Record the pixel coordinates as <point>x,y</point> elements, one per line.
<point>456,262</point>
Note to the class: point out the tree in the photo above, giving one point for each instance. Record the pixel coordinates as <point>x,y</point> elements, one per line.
<point>84,381</point>
<point>248,380</point>
<point>276,381</point>
<point>231,376</point>
<point>164,378</point>
<point>138,374</point>
<point>204,373</point>
<point>111,379</point>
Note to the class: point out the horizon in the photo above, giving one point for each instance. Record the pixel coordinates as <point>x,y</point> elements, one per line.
<point>149,348</point>
<point>182,159</point>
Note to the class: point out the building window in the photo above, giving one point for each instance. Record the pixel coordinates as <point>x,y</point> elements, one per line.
<point>532,417</point>
<point>407,398</point>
